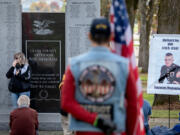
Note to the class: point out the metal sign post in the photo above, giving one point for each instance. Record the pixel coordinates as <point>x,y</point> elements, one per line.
<point>169,111</point>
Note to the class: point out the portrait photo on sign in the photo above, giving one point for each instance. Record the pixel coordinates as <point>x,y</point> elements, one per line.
<point>170,71</point>
<point>164,64</point>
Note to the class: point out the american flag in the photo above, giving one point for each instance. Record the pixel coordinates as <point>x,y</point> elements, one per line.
<point>122,44</point>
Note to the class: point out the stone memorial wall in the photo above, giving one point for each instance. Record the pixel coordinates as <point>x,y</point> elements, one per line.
<point>10,43</point>
<point>79,15</point>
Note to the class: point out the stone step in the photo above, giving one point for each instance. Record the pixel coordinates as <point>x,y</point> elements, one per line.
<point>40,133</point>
<point>47,121</point>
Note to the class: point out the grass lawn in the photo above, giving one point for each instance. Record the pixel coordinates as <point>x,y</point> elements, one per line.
<point>150,98</point>
<point>165,114</point>
<point>143,77</point>
<point>160,113</point>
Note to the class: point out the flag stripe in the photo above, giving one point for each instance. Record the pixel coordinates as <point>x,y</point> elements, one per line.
<point>128,32</point>
<point>133,62</point>
<point>122,44</point>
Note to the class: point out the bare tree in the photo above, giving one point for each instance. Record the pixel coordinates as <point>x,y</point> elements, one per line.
<point>132,8</point>
<point>168,23</point>
<point>105,8</point>
<point>147,9</point>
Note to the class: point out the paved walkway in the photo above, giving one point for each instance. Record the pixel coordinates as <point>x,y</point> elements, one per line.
<point>153,122</point>
<point>47,121</point>
<point>40,133</point>
<point>163,122</point>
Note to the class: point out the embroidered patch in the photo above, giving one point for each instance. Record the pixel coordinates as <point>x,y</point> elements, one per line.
<point>97,83</point>
<point>103,110</point>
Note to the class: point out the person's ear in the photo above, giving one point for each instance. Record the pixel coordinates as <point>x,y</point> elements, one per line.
<point>89,36</point>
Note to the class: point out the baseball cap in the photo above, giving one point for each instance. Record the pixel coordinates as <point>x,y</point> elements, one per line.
<point>100,26</point>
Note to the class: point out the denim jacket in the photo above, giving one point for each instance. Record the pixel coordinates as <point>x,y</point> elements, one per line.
<point>113,103</point>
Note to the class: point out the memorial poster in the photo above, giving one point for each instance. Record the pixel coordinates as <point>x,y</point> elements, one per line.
<point>164,64</point>
<point>79,15</point>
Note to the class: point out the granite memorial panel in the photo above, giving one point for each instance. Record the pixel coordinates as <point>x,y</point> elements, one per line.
<point>44,46</point>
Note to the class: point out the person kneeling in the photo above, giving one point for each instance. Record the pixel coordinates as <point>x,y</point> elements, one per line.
<point>23,120</point>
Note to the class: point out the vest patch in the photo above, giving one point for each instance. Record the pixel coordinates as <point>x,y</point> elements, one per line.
<point>103,110</point>
<point>97,83</point>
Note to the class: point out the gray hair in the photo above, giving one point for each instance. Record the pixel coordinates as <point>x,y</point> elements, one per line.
<point>23,101</point>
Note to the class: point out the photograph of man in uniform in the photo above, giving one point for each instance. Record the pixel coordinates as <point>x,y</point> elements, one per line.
<point>170,72</point>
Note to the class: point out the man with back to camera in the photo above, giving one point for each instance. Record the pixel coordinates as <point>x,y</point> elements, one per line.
<point>169,70</point>
<point>23,120</point>
<point>99,89</point>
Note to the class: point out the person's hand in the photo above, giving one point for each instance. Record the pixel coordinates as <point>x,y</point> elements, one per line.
<point>178,74</point>
<point>107,126</point>
<point>14,63</point>
<point>175,82</point>
<point>17,72</point>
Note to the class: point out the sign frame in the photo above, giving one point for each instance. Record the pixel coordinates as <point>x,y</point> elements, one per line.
<point>162,77</point>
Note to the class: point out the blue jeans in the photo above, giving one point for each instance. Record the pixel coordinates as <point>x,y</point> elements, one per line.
<point>15,96</point>
<point>147,129</point>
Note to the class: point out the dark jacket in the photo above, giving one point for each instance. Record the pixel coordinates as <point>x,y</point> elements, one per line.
<point>21,81</point>
<point>23,121</point>
<point>169,73</point>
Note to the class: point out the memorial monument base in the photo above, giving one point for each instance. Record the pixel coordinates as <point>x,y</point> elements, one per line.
<point>47,121</point>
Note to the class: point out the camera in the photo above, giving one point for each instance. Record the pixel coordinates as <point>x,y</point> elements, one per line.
<point>18,66</point>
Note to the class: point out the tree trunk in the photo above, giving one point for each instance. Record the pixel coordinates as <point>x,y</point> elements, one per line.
<point>105,8</point>
<point>131,8</point>
<point>169,17</point>
<point>143,48</point>
<point>162,99</point>
<point>168,23</point>
<point>147,10</point>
